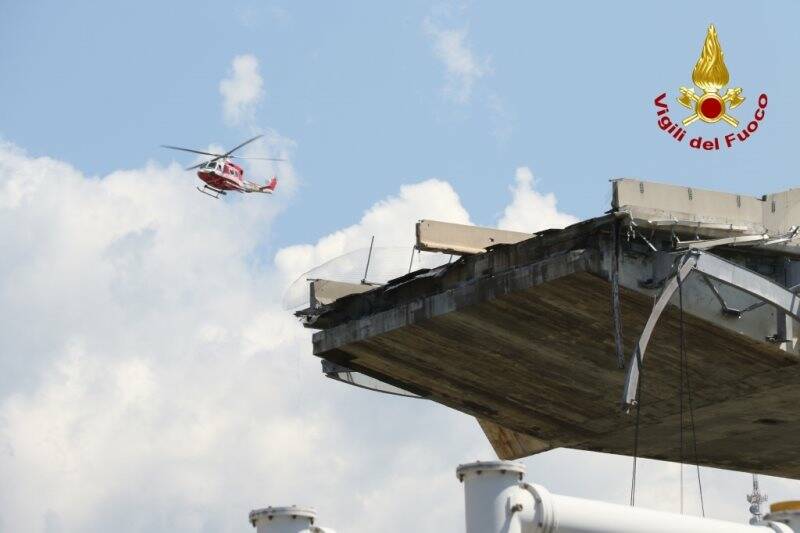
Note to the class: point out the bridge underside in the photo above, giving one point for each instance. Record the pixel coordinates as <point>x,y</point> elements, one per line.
<point>521,337</point>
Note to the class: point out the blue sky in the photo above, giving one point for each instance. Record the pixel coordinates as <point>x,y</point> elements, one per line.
<point>152,364</point>
<point>566,89</point>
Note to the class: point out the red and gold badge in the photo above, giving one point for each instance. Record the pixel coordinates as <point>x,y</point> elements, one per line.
<point>711,75</point>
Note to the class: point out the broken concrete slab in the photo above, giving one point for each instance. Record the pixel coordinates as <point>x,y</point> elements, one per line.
<point>521,337</point>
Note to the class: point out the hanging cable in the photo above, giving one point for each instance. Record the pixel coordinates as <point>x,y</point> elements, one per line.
<point>684,371</point>
<point>680,386</point>
<point>639,390</point>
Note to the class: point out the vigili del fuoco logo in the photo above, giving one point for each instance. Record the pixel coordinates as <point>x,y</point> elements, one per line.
<point>710,74</point>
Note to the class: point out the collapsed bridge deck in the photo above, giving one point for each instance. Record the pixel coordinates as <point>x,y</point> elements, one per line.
<point>521,336</point>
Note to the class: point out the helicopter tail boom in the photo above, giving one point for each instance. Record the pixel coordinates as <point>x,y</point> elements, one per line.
<point>269,188</point>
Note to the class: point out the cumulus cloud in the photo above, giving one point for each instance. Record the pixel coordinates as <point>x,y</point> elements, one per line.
<point>275,145</point>
<point>242,91</point>
<point>343,254</point>
<point>462,67</point>
<point>391,221</point>
<point>531,211</point>
<point>127,295</point>
<point>151,381</point>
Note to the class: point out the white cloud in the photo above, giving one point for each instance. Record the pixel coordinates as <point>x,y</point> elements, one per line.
<point>531,211</point>
<point>135,311</point>
<point>150,380</point>
<point>343,254</point>
<point>391,221</point>
<point>242,91</point>
<point>272,144</point>
<point>153,382</point>
<point>462,68</point>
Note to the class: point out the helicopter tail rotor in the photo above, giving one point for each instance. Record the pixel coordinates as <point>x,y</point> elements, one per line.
<point>269,188</point>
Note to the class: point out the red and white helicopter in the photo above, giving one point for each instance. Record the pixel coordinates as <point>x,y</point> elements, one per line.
<point>221,175</point>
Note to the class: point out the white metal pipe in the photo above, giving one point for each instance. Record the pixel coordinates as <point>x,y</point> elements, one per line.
<point>563,514</point>
<point>497,502</point>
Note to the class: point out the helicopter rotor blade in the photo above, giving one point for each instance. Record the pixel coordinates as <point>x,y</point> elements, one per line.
<point>191,150</point>
<point>215,157</point>
<point>241,145</point>
<point>258,158</point>
<point>202,163</point>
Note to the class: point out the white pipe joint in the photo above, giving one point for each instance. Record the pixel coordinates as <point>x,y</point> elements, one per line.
<point>291,519</point>
<point>492,496</point>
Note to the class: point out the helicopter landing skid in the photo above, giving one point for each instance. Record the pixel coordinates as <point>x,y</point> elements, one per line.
<point>216,192</point>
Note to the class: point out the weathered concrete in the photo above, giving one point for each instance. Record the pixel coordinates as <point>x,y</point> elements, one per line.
<point>446,237</point>
<point>325,291</point>
<point>650,203</point>
<point>704,212</point>
<point>521,337</point>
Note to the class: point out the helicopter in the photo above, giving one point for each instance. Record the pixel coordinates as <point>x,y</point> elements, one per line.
<point>220,174</point>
